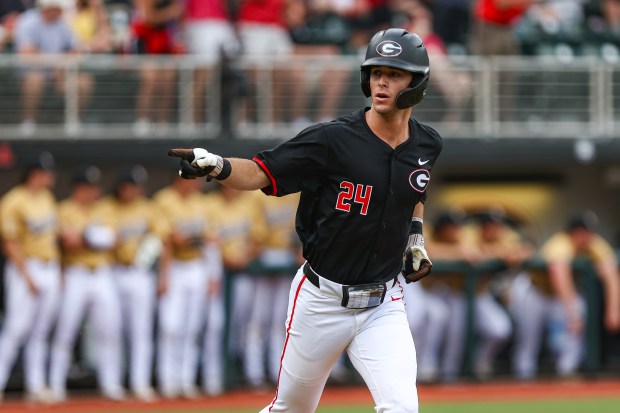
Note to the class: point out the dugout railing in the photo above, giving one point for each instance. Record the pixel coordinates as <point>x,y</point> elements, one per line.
<point>468,96</point>
<point>584,273</point>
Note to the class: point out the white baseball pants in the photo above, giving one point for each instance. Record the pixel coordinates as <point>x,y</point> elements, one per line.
<point>28,321</point>
<point>377,340</point>
<point>92,293</point>
<point>181,317</point>
<point>136,287</point>
<point>533,313</point>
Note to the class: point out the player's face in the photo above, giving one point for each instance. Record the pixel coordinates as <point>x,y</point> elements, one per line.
<point>385,83</point>
<point>581,238</point>
<point>129,192</point>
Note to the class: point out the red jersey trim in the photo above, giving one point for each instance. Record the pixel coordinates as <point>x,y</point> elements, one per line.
<point>262,165</point>
<point>288,328</point>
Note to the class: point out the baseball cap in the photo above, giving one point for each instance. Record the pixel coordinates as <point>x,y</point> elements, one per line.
<point>584,220</point>
<point>90,175</point>
<point>135,174</point>
<point>493,215</point>
<point>44,161</point>
<point>453,216</point>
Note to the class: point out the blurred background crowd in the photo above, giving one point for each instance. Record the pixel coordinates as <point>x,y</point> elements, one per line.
<point>234,35</point>
<point>151,286</point>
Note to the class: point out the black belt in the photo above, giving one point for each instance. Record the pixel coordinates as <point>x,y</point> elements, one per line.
<point>313,277</point>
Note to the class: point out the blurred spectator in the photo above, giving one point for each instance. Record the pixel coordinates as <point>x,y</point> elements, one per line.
<point>454,85</point>
<point>87,238</point>
<point>119,15</point>
<point>263,27</point>
<point>210,35</point>
<point>492,26</point>
<point>155,31</point>
<point>452,20</point>
<point>491,35</point>
<point>9,11</point>
<point>323,32</point>
<point>549,24</point>
<point>91,26</point>
<point>602,29</point>
<point>550,300</point>
<point>43,30</point>
<point>28,215</point>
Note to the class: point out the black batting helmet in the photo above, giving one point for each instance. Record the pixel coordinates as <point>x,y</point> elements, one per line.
<point>403,50</point>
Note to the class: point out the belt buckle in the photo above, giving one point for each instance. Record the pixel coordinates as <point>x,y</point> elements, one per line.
<point>363,295</point>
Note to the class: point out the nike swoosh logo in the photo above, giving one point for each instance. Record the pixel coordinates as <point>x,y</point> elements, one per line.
<point>422,162</point>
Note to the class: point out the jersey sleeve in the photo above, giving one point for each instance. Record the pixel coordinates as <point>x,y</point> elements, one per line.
<point>295,164</point>
<point>10,218</point>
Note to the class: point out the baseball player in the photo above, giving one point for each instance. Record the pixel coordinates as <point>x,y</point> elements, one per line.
<point>237,220</point>
<point>87,237</point>
<point>361,178</point>
<point>29,227</point>
<point>551,298</point>
<point>265,335</point>
<point>183,288</point>
<point>139,227</point>
<point>428,308</point>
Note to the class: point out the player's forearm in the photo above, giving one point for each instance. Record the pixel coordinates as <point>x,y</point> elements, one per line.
<point>561,281</point>
<point>611,282</point>
<point>14,254</point>
<point>245,175</point>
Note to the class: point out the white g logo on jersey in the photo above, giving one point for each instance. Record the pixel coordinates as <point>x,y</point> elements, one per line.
<point>389,48</point>
<point>419,179</point>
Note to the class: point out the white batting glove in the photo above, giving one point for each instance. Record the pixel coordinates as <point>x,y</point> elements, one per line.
<point>416,264</point>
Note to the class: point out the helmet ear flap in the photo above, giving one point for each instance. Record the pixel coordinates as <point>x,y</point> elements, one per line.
<point>412,95</point>
<point>365,80</point>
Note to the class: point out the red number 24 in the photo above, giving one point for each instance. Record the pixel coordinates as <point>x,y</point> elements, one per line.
<point>358,193</point>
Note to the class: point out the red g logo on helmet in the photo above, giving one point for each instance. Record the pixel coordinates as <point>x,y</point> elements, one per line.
<point>389,48</point>
<point>419,179</point>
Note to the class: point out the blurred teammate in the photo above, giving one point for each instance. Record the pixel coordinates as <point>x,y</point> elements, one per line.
<point>140,230</point>
<point>29,227</point>
<point>265,333</point>
<point>552,298</point>
<point>431,305</point>
<point>496,241</point>
<point>87,238</point>
<point>183,288</point>
<point>235,217</point>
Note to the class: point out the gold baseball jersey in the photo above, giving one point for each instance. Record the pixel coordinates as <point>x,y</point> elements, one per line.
<point>31,219</point>
<point>74,217</point>
<point>134,222</point>
<point>453,280</point>
<point>184,216</point>
<point>238,223</point>
<point>279,217</point>
<point>560,248</point>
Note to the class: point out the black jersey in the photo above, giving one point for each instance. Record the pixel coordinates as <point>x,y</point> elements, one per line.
<point>357,194</point>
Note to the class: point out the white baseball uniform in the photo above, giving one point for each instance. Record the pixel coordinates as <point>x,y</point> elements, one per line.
<point>30,220</point>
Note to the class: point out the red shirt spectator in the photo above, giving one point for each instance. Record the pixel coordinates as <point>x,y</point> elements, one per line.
<point>501,12</point>
<point>262,12</point>
<point>206,9</point>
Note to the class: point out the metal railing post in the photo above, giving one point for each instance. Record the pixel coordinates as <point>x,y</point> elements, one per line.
<point>72,117</point>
